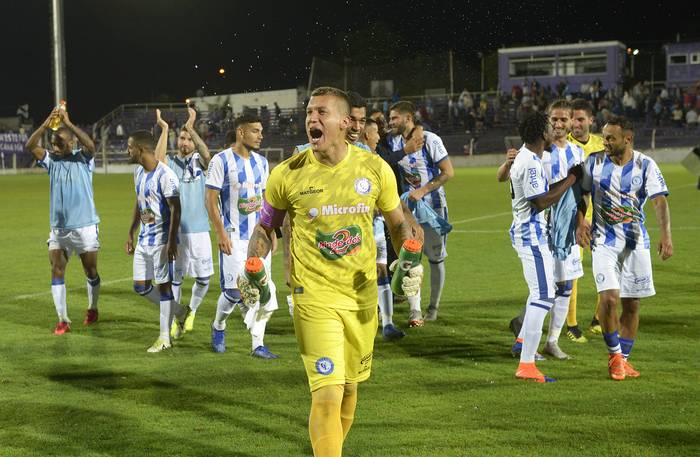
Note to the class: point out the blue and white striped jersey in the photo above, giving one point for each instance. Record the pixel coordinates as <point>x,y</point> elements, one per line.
<point>189,171</point>
<point>618,194</point>
<point>152,191</point>
<point>528,180</point>
<point>561,160</point>
<point>72,204</point>
<point>420,167</point>
<point>241,183</point>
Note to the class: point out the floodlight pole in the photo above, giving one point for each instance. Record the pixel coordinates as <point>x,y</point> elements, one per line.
<point>58,55</point>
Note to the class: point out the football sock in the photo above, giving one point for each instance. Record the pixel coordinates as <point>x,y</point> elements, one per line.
<point>177,290</point>
<point>626,346</point>
<point>414,302</point>
<point>532,328</point>
<point>386,301</point>
<point>612,340</point>
<point>166,302</point>
<point>347,408</point>
<point>437,281</point>
<point>571,315</point>
<point>149,293</point>
<point>58,291</point>
<point>559,311</point>
<point>93,291</point>
<point>199,290</point>
<point>325,426</point>
<point>224,305</point>
<point>257,333</point>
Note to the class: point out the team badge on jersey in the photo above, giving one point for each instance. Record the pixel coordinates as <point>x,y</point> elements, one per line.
<point>325,366</point>
<point>363,186</point>
<point>342,242</point>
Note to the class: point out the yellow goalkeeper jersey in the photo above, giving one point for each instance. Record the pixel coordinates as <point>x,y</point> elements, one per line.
<point>331,211</point>
<point>594,144</point>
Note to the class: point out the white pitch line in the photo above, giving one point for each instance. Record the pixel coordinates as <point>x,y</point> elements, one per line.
<point>504,231</point>
<point>481,218</point>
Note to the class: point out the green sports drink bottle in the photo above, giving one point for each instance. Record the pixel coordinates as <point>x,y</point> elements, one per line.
<point>255,273</point>
<point>409,257</point>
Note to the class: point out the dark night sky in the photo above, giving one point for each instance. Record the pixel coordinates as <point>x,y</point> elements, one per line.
<point>137,50</point>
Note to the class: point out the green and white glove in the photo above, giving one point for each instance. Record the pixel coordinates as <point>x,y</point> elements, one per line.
<point>412,281</point>
<point>249,293</point>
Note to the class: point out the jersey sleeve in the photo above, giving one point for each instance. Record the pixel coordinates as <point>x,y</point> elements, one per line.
<point>170,184</point>
<point>215,173</point>
<point>655,182</point>
<point>46,162</point>
<point>275,192</point>
<point>587,181</point>
<point>388,197</point>
<point>534,181</point>
<point>266,173</point>
<point>437,149</point>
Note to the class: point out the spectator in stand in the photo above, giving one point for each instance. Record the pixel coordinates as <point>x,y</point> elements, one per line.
<point>119,131</point>
<point>677,115</point>
<point>691,118</point>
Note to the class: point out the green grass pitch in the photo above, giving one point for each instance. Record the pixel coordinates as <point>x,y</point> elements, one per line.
<point>445,390</point>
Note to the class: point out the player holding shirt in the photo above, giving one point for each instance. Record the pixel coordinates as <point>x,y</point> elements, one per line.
<point>236,181</point>
<point>531,194</point>
<point>72,211</point>
<point>330,191</point>
<point>157,210</point>
<point>620,182</point>
<point>194,259</point>
<point>425,172</point>
<point>591,143</point>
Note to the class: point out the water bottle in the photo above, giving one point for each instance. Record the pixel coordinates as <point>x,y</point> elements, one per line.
<point>255,273</point>
<point>409,257</point>
<point>55,121</point>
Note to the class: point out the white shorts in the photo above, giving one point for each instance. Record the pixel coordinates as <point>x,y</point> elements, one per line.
<point>380,240</point>
<point>80,240</point>
<point>570,268</point>
<point>435,246</point>
<point>194,256</point>
<point>628,270</point>
<point>230,266</point>
<point>538,269</point>
<point>151,262</point>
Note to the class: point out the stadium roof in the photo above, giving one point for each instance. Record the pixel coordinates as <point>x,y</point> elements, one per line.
<point>562,47</point>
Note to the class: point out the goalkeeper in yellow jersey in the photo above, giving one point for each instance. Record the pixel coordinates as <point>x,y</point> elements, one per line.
<point>591,143</point>
<point>330,190</point>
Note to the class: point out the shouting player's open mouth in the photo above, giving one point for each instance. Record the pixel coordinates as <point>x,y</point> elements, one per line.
<point>315,135</point>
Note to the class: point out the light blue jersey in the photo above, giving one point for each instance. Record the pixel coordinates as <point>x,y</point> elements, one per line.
<point>241,183</point>
<point>72,203</point>
<point>153,188</point>
<point>189,171</point>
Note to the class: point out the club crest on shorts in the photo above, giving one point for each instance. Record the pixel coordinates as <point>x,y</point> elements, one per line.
<point>324,366</point>
<point>362,186</point>
<point>600,277</point>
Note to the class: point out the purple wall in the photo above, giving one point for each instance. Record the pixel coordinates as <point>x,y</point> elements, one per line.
<point>611,78</point>
<point>682,75</point>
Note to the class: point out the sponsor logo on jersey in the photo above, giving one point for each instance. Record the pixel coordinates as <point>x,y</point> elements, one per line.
<point>363,186</point>
<point>413,177</point>
<point>148,216</point>
<point>532,173</point>
<point>325,366</point>
<point>249,205</point>
<point>312,190</point>
<point>621,214</point>
<point>342,242</point>
<point>335,210</point>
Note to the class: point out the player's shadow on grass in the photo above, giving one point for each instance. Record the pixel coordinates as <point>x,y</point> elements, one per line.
<point>39,428</point>
<point>239,391</point>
